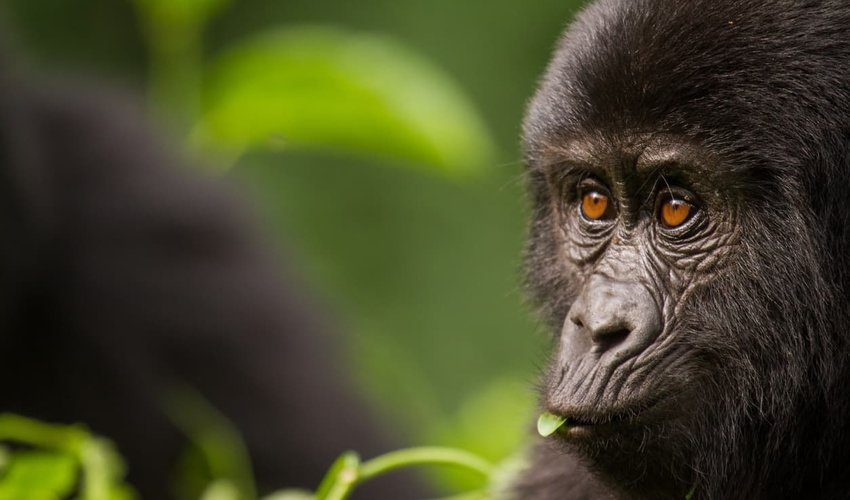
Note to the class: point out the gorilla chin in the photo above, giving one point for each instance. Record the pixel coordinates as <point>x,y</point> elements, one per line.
<point>689,168</point>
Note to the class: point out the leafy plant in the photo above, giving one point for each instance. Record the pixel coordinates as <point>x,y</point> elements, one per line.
<point>308,87</point>
<point>322,87</point>
<point>48,462</point>
<point>348,472</point>
<point>229,472</point>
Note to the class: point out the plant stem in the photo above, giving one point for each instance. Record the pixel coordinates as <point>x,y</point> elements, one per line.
<point>421,456</point>
<point>426,455</point>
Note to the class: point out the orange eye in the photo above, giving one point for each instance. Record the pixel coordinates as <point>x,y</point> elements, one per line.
<point>675,212</point>
<point>594,205</point>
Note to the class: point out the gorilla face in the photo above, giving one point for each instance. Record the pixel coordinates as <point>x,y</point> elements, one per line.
<point>638,231</point>
<point>688,164</point>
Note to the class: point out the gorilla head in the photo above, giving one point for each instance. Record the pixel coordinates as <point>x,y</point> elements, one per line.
<point>689,165</point>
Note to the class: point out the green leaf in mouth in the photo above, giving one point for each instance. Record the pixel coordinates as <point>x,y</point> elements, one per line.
<point>549,423</point>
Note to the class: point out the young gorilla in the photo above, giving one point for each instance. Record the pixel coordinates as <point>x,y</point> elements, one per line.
<point>689,166</point>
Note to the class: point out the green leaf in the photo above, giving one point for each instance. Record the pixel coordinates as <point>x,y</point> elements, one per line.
<point>324,88</point>
<point>291,495</point>
<point>103,470</point>
<point>70,458</point>
<point>221,489</point>
<point>19,429</point>
<point>215,438</point>
<point>38,474</point>
<point>548,423</point>
<point>491,424</point>
<point>194,12</point>
<point>340,477</point>
<point>5,457</point>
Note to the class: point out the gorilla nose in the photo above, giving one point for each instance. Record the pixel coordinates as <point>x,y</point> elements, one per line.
<point>608,312</point>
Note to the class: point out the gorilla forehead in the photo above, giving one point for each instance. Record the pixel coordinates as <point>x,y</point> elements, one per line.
<point>754,81</point>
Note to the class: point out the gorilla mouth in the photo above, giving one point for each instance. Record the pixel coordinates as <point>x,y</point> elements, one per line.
<point>604,419</point>
<point>586,426</point>
<point>583,424</point>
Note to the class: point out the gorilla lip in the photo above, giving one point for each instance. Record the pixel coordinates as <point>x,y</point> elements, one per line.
<point>577,424</point>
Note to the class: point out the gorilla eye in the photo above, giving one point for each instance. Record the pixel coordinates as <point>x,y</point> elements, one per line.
<point>595,206</point>
<point>675,212</point>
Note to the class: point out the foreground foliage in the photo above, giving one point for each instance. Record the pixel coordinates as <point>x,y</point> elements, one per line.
<point>40,461</point>
<point>49,462</point>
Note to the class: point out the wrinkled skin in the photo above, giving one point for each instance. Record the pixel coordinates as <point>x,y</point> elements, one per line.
<point>711,354</point>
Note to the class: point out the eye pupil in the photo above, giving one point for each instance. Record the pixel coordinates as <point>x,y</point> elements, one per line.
<point>675,212</point>
<point>594,205</point>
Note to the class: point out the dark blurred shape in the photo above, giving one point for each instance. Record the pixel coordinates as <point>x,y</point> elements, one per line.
<point>124,274</point>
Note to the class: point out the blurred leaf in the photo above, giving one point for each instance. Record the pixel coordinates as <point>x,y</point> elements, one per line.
<point>191,473</point>
<point>492,423</point>
<point>342,473</point>
<point>103,472</point>
<point>69,451</point>
<point>291,495</point>
<point>331,89</point>
<point>215,438</point>
<point>5,457</point>
<point>504,478</point>
<point>173,32</point>
<point>474,495</point>
<point>37,474</point>
<point>70,439</point>
<point>194,12</point>
<point>221,490</point>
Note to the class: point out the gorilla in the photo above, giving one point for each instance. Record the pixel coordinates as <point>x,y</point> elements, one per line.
<point>124,275</point>
<point>689,169</point>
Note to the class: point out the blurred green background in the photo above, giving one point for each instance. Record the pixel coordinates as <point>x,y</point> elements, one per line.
<point>409,224</point>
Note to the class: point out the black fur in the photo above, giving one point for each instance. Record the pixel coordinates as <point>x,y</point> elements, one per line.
<point>124,274</point>
<point>749,373</point>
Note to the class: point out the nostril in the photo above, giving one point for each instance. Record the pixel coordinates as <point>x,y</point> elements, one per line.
<point>577,321</point>
<point>604,340</point>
